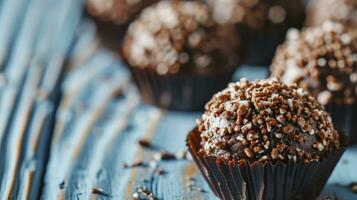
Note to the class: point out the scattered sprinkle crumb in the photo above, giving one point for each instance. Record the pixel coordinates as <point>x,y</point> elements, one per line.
<point>98,191</point>
<point>136,195</point>
<point>192,186</point>
<point>145,143</point>
<point>138,163</point>
<point>61,185</point>
<point>164,155</point>
<point>160,171</point>
<point>353,187</point>
<point>143,193</point>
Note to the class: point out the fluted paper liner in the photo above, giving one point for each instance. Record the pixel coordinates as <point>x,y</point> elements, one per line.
<point>279,181</point>
<point>344,118</point>
<point>186,92</point>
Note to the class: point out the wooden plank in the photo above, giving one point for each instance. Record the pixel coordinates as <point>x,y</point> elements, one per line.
<point>32,165</point>
<point>11,15</point>
<point>32,67</point>
<point>17,131</point>
<point>99,119</point>
<point>14,71</point>
<point>82,107</point>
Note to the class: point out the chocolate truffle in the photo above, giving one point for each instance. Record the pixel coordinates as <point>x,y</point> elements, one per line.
<point>266,121</point>
<point>179,55</point>
<point>180,37</point>
<point>322,60</point>
<point>261,23</point>
<point>116,11</point>
<point>257,138</point>
<point>343,11</point>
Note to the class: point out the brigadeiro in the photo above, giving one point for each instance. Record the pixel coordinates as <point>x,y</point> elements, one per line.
<point>261,23</point>
<point>265,140</point>
<point>112,18</point>
<point>178,55</point>
<point>323,60</point>
<point>343,11</point>
<point>116,11</point>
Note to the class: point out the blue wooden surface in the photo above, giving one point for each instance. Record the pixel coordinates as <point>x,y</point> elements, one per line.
<point>62,148</point>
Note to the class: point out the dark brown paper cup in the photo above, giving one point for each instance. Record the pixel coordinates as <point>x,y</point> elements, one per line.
<point>344,118</point>
<point>183,92</point>
<point>280,181</point>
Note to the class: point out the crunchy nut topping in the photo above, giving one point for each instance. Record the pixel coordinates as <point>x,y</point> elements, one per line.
<point>274,153</point>
<point>248,152</point>
<point>321,60</point>
<point>246,127</point>
<point>293,127</point>
<point>180,36</point>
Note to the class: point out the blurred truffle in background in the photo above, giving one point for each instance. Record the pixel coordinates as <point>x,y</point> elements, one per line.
<point>262,24</point>
<point>343,11</point>
<point>179,55</point>
<point>113,16</point>
<point>117,11</point>
<point>323,60</point>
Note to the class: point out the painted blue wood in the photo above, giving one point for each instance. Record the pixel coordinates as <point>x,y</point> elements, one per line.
<point>11,16</point>
<point>32,58</point>
<point>65,150</point>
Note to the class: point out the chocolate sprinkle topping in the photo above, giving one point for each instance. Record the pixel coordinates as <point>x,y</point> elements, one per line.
<point>266,121</point>
<point>322,60</point>
<point>180,36</point>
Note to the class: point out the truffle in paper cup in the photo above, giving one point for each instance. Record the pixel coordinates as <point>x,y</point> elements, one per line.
<point>279,181</point>
<point>261,24</point>
<point>265,140</point>
<point>179,55</point>
<point>309,59</point>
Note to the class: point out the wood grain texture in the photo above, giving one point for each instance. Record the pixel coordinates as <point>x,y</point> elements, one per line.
<point>32,57</point>
<point>70,118</point>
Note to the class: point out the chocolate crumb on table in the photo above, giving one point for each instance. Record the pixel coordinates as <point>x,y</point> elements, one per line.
<point>145,143</point>
<point>137,163</point>
<point>160,171</point>
<point>353,187</point>
<point>143,193</point>
<point>98,191</point>
<point>192,185</point>
<point>61,185</point>
<point>164,155</point>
